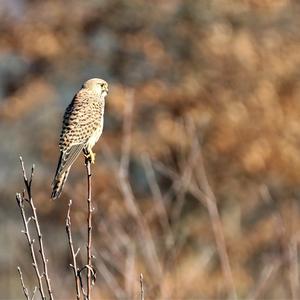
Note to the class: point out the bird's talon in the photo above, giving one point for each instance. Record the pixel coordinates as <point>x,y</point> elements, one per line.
<point>92,157</point>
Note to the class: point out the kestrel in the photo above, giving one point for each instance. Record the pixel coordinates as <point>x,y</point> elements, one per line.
<point>82,128</point>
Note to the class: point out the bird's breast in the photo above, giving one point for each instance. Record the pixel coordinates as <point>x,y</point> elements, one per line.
<point>94,137</point>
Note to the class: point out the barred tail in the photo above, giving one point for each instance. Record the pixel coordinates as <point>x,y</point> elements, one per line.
<point>58,184</point>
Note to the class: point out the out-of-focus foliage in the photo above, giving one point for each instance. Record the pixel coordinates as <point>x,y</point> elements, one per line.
<point>230,67</point>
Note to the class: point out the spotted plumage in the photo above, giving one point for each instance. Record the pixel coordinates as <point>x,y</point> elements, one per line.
<point>82,127</point>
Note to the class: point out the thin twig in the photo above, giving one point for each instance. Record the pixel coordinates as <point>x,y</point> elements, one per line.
<point>89,229</point>
<point>20,201</point>
<point>142,286</point>
<point>25,290</point>
<point>33,294</point>
<point>125,158</point>
<point>28,184</point>
<point>110,280</point>
<point>126,188</point>
<point>216,223</point>
<point>116,239</point>
<point>41,250</point>
<point>185,180</point>
<point>122,175</point>
<point>265,280</point>
<point>73,253</point>
<point>294,271</point>
<point>208,200</point>
<point>81,285</point>
<point>157,195</point>
<point>127,125</point>
<point>130,269</point>
<point>287,245</point>
<point>178,181</point>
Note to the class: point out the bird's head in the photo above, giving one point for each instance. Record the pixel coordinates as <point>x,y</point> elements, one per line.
<point>97,85</point>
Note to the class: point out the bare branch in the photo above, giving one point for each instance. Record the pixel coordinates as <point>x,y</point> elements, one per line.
<point>20,201</point>
<point>25,290</point>
<point>205,195</point>
<point>178,179</point>
<point>89,229</point>
<point>110,280</point>
<point>81,285</point>
<point>267,277</point>
<point>121,175</point>
<point>34,217</point>
<point>126,145</point>
<point>294,271</point>
<point>41,249</point>
<point>130,270</point>
<point>157,195</point>
<point>142,286</point>
<point>288,246</point>
<point>181,186</point>
<point>74,255</point>
<point>216,222</point>
<point>33,294</point>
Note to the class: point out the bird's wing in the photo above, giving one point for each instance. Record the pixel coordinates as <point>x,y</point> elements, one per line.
<point>81,119</point>
<point>68,157</point>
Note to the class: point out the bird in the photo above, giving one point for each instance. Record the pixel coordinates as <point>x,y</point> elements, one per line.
<point>81,129</point>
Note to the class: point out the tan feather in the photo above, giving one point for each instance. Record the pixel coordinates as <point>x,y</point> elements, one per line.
<point>82,127</point>
<point>58,184</point>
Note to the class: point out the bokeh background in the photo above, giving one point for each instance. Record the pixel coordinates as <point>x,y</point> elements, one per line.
<point>202,119</point>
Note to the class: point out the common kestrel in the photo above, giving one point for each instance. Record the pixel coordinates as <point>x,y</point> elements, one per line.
<point>82,127</point>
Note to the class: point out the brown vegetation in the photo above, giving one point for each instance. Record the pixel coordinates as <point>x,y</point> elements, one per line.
<point>195,83</point>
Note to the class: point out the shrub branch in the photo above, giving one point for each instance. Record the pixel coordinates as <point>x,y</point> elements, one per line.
<point>90,270</point>
<point>21,198</point>
<point>73,253</point>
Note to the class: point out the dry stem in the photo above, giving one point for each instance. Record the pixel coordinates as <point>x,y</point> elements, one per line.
<point>205,195</point>
<point>211,203</point>
<point>89,229</point>
<point>25,290</point>
<point>73,253</point>
<point>122,175</point>
<point>142,286</point>
<point>20,200</point>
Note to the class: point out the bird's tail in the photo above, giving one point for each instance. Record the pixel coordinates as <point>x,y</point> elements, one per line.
<point>58,183</point>
<point>65,162</point>
<point>60,177</point>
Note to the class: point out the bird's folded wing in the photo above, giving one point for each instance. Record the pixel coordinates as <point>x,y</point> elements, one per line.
<point>69,156</point>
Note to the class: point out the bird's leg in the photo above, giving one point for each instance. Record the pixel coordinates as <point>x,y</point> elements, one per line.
<point>89,155</point>
<point>93,156</point>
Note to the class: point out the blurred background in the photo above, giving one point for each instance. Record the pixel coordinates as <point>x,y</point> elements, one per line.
<point>196,182</point>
